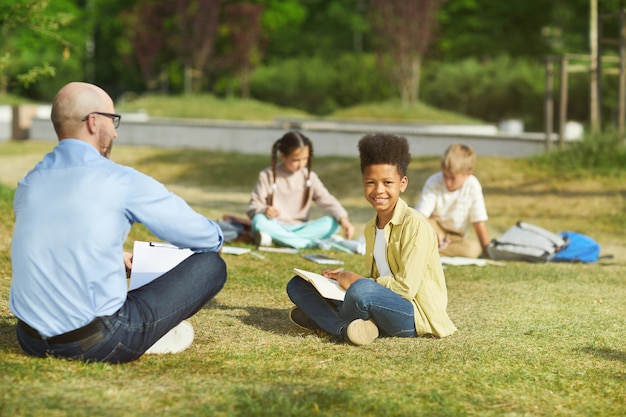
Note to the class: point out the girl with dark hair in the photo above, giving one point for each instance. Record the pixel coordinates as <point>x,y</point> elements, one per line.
<point>281,200</point>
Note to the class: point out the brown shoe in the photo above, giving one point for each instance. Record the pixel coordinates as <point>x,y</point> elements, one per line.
<point>300,319</point>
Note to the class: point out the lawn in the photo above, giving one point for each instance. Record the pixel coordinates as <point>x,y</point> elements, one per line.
<point>205,106</point>
<point>210,107</point>
<point>533,339</point>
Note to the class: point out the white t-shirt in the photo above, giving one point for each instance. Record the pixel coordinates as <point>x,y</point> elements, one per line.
<point>454,211</point>
<point>380,253</point>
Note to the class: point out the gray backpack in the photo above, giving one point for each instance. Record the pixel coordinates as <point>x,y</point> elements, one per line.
<point>526,242</point>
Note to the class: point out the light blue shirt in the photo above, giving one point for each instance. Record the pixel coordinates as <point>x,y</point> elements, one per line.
<point>73,212</point>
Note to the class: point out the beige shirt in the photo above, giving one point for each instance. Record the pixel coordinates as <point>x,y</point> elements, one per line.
<point>414,261</point>
<point>289,193</point>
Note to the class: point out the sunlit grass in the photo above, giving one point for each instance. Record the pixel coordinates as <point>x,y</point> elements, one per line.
<point>395,111</point>
<point>206,106</point>
<point>210,107</point>
<point>533,339</point>
<point>10,99</point>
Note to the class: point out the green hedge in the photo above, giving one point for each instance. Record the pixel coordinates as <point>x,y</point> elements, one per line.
<point>490,89</point>
<point>502,88</point>
<point>601,153</point>
<point>319,86</point>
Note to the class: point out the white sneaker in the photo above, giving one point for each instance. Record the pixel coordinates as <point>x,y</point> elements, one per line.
<point>263,239</point>
<point>362,332</point>
<point>174,341</point>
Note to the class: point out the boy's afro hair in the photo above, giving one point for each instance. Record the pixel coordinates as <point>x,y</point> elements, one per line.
<point>384,149</point>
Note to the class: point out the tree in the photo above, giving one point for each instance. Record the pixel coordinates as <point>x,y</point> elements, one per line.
<point>405,30</point>
<point>306,28</point>
<point>161,35</point>
<point>484,29</point>
<point>30,35</point>
<point>145,23</point>
<point>193,36</point>
<point>243,21</point>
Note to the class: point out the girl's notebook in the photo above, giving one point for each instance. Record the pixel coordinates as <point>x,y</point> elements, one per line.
<point>322,259</point>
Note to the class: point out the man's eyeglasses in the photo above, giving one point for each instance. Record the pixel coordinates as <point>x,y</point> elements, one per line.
<point>116,117</point>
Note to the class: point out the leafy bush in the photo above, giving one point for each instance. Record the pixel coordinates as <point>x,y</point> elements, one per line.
<point>319,86</point>
<point>303,84</point>
<point>493,90</point>
<point>601,153</point>
<point>359,80</point>
<point>505,87</point>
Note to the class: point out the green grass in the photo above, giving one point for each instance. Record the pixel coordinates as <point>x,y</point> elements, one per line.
<point>206,106</point>
<point>533,339</point>
<point>395,111</point>
<point>10,99</point>
<point>210,107</point>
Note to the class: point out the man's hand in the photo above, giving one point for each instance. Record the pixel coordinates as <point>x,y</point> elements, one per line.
<point>128,263</point>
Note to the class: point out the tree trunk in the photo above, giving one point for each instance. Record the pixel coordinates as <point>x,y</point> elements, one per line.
<point>244,79</point>
<point>416,67</point>
<point>188,87</point>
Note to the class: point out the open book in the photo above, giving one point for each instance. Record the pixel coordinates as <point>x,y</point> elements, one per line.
<point>328,288</point>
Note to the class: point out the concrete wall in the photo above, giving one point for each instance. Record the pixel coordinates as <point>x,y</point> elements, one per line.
<point>25,115</point>
<point>6,115</point>
<point>329,138</point>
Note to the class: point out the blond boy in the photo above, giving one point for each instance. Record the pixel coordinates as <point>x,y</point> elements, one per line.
<point>451,200</point>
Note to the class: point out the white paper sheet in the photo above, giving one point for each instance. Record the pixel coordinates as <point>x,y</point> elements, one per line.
<point>234,250</point>
<point>153,259</point>
<point>459,261</point>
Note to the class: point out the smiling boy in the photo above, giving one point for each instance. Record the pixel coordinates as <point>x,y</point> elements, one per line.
<point>404,293</point>
<point>451,200</point>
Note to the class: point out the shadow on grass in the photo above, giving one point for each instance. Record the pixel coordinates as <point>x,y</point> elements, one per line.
<point>232,171</point>
<point>8,339</point>
<point>204,167</point>
<point>266,319</point>
<point>299,399</point>
<point>606,353</point>
<point>263,318</point>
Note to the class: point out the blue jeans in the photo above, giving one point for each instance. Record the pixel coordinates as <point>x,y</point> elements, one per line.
<point>365,299</point>
<point>148,313</point>
<point>301,235</point>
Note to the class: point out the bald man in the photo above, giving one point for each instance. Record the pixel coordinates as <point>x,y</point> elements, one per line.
<point>73,212</point>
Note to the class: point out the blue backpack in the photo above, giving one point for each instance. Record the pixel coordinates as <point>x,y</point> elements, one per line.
<point>580,248</point>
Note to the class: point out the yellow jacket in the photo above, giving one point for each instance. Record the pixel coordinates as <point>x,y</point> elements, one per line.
<point>414,261</point>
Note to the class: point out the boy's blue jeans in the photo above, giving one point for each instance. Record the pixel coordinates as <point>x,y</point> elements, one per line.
<point>365,299</point>
<point>148,313</point>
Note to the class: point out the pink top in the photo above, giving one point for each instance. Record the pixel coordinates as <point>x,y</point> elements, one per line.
<point>288,192</point>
